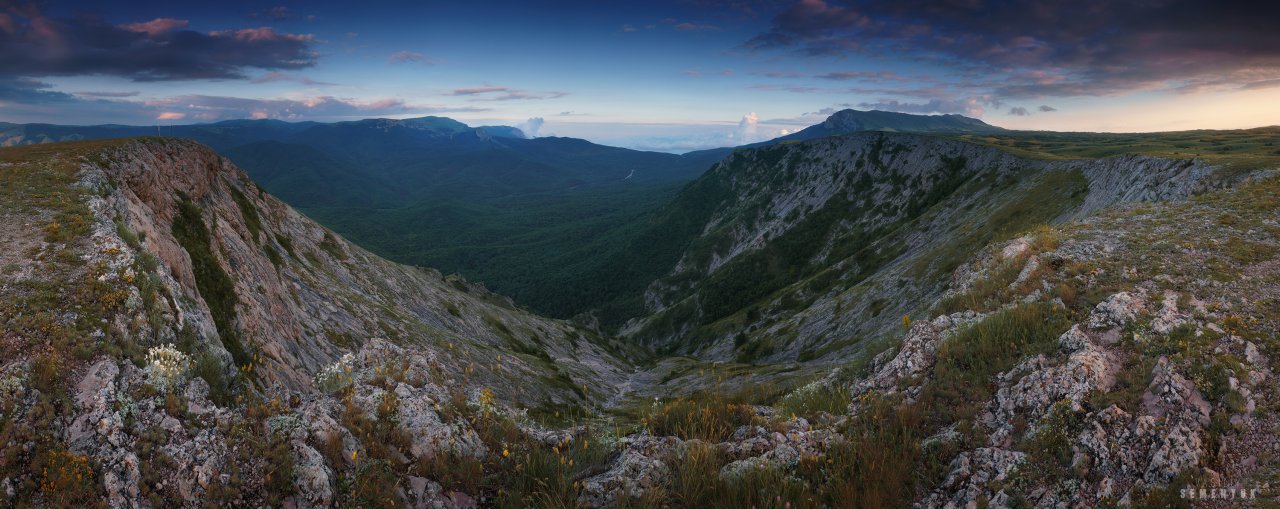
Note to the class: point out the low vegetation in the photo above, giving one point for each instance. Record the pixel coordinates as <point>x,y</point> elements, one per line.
<point>1242,149</point>
<point>215,286</point>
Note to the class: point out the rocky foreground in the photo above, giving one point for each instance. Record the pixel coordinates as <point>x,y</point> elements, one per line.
<point>1113,361</point>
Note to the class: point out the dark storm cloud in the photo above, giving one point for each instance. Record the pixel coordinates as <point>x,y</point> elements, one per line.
<point>1052,47</point>
<point>1019,111</point>
<point>33,45</point>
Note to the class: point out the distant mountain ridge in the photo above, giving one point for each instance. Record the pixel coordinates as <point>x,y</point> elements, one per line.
<point>850,121</point>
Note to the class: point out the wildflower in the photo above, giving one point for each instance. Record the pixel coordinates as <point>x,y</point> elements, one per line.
<point>336,376</point>
<point>353,455</point>
<point>487,399</point>
<point>505,453</point>
<point>167,367</point>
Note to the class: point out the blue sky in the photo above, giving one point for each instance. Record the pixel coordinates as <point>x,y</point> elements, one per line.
<point>675,75</point>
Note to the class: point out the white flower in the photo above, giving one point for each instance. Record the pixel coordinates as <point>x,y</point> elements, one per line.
<point>336,376</point>
<point>167,367</point>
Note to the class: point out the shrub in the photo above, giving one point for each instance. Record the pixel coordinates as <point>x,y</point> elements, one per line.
<point>167,368</point>
<point>336,376</point>
<point>815,397</point>
<point>215,286</point>
<point>374,485</point>
<point>68,480</point>
<point>247,211</point>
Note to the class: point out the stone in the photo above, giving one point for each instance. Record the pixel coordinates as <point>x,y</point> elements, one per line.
<point>1116,311</point>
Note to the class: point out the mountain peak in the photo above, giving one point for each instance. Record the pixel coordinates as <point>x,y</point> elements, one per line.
<point>850,120</point>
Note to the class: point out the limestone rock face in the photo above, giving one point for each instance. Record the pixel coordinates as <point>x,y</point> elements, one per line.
<point>915,358</point>
<point>304,295</point>
<point>639,468</point>
<point>1118,310</point>
<point>969,475</point>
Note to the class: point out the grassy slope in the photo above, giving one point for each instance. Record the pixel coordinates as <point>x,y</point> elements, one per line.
<point>1245,148</point>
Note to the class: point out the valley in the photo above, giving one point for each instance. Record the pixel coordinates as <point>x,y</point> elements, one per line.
<point>873,318</point>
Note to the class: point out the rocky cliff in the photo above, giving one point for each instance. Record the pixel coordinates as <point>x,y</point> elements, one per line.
<point>130,257</point>
<point>173,336</point>
<point>817,248</point>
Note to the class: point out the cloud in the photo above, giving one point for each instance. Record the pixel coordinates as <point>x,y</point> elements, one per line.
<point>493,93</point>
<point>171,115</point>
<point>628,28</point>
<point>694,27</point>
<point>749,130</point>
<point>272,77</point>
<point>106,95</point>
<point>531,127</point>
<point>798,89</point>
<point>973,106</point>
<point>697,72</point>
<point>409,57</point>
<point>1019,111</point>
<point>1256,85</point>
<point>162,49</point>
<point>158,26</point>
<point>1046,108</point>
<point>478,90</point>
<point>777,74</point>
<point>278,13</point>
<point>29,91</point>
<point>1048,48</point>
<point>862,75</point>
<point>209,108</point>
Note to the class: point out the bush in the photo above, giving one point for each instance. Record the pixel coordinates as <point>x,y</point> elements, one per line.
<point>215,286</point>
<point>247,211</point>
<point>68,480</point>
<point>816,397</point>
<point>374,485</point>
<point>336,376</point>
<point>167,368</point>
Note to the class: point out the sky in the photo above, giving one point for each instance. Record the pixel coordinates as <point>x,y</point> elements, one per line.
<point>660,75</point>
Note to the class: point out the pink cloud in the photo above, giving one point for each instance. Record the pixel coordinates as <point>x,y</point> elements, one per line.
<point>262,34</point>
<point>7,24</point>
<point>157,26</point>
<point>171,115</point>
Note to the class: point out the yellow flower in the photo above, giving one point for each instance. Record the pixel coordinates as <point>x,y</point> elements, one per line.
<point>505,453</point>
<point>353,455</point>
